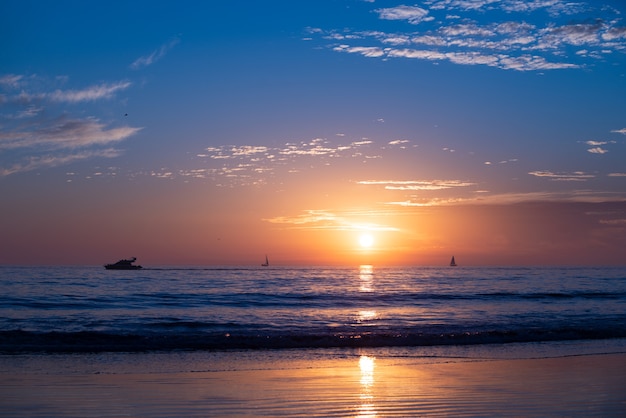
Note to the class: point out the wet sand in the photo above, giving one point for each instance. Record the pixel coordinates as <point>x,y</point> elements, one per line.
<point>366,383</point>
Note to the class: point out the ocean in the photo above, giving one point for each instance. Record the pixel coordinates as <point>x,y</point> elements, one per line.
<point>90,309</point>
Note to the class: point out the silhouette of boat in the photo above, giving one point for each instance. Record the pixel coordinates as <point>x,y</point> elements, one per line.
<point>452,262</point>
<point>267,262</point>
<point>123,265</point>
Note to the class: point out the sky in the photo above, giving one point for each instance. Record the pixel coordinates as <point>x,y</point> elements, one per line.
<point>318,132</point>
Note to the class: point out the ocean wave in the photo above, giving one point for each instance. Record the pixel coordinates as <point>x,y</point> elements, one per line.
<point>19,341</point>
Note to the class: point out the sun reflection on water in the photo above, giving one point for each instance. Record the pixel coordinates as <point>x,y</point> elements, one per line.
<point>366,276</point>
<point>366,408</point>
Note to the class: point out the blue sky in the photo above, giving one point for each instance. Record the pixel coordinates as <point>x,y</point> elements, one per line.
<point>322,111</point>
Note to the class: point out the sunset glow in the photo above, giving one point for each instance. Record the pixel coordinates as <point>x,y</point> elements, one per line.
<point>318,132</point>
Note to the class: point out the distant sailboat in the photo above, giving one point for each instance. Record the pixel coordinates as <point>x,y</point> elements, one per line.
<point>452,262</point>
<point>267,262</point>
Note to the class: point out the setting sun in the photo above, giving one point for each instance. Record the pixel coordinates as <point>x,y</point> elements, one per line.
<point>366,240</point>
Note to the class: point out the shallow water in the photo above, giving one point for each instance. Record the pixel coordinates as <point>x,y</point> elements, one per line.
<point>574,378</point>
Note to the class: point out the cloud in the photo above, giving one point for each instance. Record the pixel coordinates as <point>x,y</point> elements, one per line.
<point>329,220</point>
<point>620,131</point>
<point>10,80</point>
<point>373,52</point>
<point>586,196</point>
<point>417,184</point>
<point>57,142</point>
<point>93,93</point>
<point>575,176</point>
<point>30,91</point>
<point>412,14</point>
<point>155,56</point>
<point>32,137</point>
<point>49,161</point>
<point>231,165</point>
<point>499,36</point>
<point>65,133</point>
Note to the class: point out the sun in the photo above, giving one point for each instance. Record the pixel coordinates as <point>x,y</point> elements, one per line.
<point>366,240</point>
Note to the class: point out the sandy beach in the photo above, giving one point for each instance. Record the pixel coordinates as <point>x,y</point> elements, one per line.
<point>357,383</point>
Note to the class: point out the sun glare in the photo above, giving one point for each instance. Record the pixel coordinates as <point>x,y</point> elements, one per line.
<point>366,240</point>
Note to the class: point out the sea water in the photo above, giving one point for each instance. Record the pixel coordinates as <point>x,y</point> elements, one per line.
<point>90,309</point>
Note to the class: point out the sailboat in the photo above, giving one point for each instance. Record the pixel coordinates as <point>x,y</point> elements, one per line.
<point>267,262</point>
<point>452,262</point>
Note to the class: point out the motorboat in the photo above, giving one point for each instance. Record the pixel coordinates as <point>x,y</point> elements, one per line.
<point>123,265</point>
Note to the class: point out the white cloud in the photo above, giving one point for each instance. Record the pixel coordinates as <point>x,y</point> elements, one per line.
<point>97,92</point>
<point>373,52</point>
<point>620,131</point>
<point>92,93</point>
<point>412,14</point>
<point>508,42</point>
<point>156,55</point>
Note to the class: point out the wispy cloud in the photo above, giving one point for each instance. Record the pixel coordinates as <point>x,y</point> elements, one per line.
<point>64,133</point>
<point>587,196</point>
<point>417,184</point>
<point>11,80</point>
<point>97,92</point>
<point>28,93</point>
<point>156,55</point>
<point>48,161</point>
<point>331,220</point>
<point>32,137</point>
<point>500,36</point>
<point>574,176</point>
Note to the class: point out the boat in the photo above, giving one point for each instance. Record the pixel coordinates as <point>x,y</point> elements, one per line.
<point>452,262</point>
<point>123,265</point>
<point>267,262</point>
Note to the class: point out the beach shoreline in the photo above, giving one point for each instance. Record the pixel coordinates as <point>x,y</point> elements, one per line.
<point>583,378</point>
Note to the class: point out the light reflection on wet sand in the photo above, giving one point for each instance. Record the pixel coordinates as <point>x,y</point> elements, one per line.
<point>367,384</point>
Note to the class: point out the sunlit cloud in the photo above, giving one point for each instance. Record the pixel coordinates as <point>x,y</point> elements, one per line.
<point>245,163</point>
<point>574,176</point>
<point>510,42</point>
<point>417,184</point>
<point>583,196</point>
<point>147,60</point>
<point>620,131</point>
<point>329,220</point>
